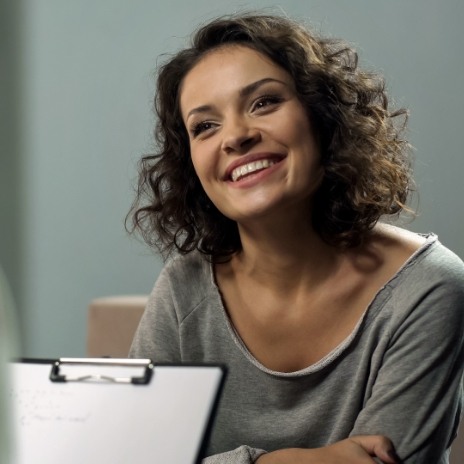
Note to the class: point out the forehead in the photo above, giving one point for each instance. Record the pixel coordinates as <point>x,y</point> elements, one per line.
<point>227,69</point>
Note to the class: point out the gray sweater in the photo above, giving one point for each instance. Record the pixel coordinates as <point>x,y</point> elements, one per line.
<point>398,374</point>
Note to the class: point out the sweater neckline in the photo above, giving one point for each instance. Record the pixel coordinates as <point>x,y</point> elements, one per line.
<point>378,300</point>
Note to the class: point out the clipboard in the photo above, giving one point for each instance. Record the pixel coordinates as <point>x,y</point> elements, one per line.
<point>112,411</point>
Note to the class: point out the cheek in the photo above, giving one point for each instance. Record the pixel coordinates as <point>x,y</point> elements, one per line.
<point>202,171</point>
<point>197,162</point>
<point>296,129</point>
<point>204,161</point>
<point>194,164</point>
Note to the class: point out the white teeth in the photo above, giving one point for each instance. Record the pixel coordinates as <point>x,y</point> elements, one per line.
<point>254,166</point>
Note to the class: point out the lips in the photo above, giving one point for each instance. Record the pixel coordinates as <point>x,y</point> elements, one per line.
<point>250,165</point>
<point>250,168</point>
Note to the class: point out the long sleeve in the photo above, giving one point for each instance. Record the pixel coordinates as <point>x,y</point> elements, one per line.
<point>241,455</point>
<point>417,394</point>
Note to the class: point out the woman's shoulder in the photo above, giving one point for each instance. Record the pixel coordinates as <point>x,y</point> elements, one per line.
<point>191,269</point>
<point>419,265</point>
<point>431,279</point>
<point>187,278</point>
<point>423,252</point>
<point>425,293</point>
<point>435,262</point>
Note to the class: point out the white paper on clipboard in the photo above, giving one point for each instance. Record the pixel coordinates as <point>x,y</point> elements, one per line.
<point>101,418</point>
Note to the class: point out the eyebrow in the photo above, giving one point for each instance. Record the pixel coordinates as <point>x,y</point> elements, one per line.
<point>244,92</point>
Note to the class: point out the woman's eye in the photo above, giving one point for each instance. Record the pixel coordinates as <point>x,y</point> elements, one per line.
<point>266,101</point>
<point>201,127</point>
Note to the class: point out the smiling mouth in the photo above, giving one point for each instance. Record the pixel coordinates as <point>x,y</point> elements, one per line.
<point>251,168</point>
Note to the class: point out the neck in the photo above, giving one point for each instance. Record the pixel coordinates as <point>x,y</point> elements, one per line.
<point>284,252</point>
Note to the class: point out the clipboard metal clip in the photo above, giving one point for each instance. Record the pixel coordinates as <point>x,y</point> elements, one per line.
<point>143,379</point>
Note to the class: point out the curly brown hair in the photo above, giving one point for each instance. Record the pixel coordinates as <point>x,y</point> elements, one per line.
<point>366,162</point>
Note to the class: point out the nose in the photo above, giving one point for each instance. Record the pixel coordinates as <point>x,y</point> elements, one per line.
<point>239,136</point>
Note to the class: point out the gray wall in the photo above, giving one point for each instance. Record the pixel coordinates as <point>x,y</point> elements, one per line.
<point>76,116</point>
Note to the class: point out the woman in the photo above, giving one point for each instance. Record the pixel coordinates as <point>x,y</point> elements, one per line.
<point>277,159</point>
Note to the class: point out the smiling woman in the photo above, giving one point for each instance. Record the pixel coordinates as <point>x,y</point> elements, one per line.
<point>256,155</point>
<point>279,161</point>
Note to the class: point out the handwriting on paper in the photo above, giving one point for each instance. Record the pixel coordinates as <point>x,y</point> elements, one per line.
<point>32,406</point>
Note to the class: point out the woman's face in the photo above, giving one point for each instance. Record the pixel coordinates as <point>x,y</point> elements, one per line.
<point>251,141</point>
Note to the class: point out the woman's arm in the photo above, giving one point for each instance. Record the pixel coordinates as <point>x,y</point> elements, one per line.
<point>417,396</point>
<point>354,450</point>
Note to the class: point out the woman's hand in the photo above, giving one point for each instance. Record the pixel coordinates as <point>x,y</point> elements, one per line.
<point>354,450</point>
